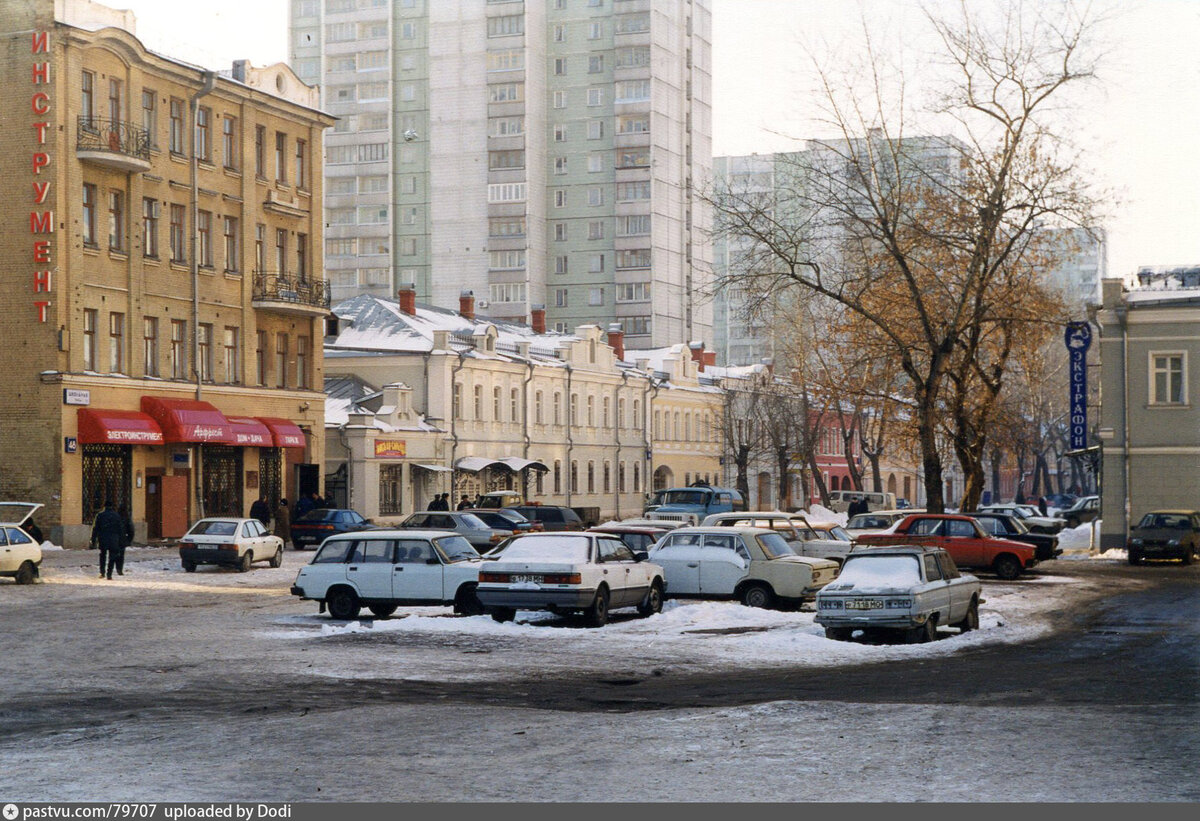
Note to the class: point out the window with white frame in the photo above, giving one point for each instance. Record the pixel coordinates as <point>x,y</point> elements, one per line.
<point>629,191</point>
<point>512,260</point>
<point>560,133</point>
<point>633,258</point>
<point>633,292</point>
<point>633,123</point>
<point>560,165</point>
<point>560,232</point>
<point>595,163</point>
<point>506,192</point>
<point>506,126</point>
<point>595,129</point>
<point>560,198</point>
<point>1168,378</point>
<point>507,25</point>
<point>506,92</point>
<point>595,30</point>
<point>559,99</point>
<point>633,56</point>
<point>595,195</point>
<point>596,64</point>
<point>633,225</point>
<point>560,297</point>
<point>633,23</point>
<point>560,264</point>
<point>636,325</point>
<point>506,227</point>
<point>596,229</point>
<point>629,91</point>
<point>595,263</point>
<point>595,296</point>
<point>560,65</point>
<point>341,247</point>
<point>507,292</point>
<point>507,59</point>
<point>595,96</point>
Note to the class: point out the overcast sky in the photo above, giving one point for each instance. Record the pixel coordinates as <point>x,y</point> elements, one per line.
<point>1140,131</point>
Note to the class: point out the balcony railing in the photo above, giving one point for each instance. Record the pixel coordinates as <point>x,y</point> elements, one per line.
<point>295,290</point>
<point>113,142</point>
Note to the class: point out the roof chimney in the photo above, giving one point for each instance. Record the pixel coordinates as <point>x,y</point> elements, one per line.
<point>537,319</point>
<point>697,350</point>
<point>239,70</point>
<point>407,296</point>
<point>466,305</point>
<point>710,358</point>
<point>616,340</point>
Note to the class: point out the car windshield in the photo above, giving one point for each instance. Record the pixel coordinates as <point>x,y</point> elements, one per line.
<point>867,520</point>
<point>492,519</point>
<point>685,497</point>
<point>456,549</point>
<point>1166,521</point>
<point>549,548</point>
<point>774,546</point>
<point>884,571</point>
<point>204,528</point>
<point>837,533</point>
<point>321,514</point>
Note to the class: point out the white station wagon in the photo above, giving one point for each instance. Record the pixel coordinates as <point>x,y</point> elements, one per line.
<point>385,569</point>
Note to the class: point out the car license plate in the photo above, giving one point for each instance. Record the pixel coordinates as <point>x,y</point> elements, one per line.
<point>525,578</point>
<point>864,604</point>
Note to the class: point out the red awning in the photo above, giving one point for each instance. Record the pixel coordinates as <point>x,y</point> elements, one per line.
<point>250,432</point>
<point>287,434</point>
<point>189,420</point>
<point>117,427</point>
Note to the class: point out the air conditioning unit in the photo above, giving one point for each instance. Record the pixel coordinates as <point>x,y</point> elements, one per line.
<point>483,303</point>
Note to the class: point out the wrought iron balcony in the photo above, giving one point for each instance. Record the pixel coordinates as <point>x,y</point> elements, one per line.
<point>113,143</point>
<point>290,293</point>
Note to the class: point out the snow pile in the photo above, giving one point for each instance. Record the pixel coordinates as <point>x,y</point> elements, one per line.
<point>49,545</point>
<point>818,513</point>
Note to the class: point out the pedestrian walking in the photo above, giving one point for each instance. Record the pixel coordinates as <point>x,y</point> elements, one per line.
<point>283,522</point>
<point>118,560</point>
<point>108,534</point>
<point>262,511</point>
<point>464,503</point>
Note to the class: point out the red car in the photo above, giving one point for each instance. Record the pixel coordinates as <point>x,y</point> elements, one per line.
<point>963,538</point>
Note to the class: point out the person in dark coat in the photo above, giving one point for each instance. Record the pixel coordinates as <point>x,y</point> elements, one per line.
<point>1042,506</point>
<point>464,503</point>
<point>439,503</point>
<point>119,559</point>
<point>283,522</point>
<point>262,511</point>
<point>303,505</point>
<point>108,534</point>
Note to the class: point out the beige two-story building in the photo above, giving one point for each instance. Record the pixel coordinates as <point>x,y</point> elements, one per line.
<point>163,296</point>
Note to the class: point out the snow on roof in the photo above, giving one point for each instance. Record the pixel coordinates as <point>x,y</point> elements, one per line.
<point>376,324</point>
<point>1147,296</point>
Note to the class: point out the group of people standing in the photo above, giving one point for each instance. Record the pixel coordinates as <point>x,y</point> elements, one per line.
<point>442,502</point>
<point>283,514</point>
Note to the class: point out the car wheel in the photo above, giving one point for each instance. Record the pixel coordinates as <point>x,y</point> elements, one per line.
<point>244,563</point>
<point>382,610</point>
<point>838,633</point>
<point>924,634</point>
<point>597,613</point>
<point>466,601</point>
<point>653,602</point>
<point>277,559</point>
<point>1007,567</point>
<point>1135,558</point>
<point>189,567</point>
<point>342,603</point>
<point>26,573</point>
<point>503,614</point>
<point>757,595</point>
<point>971,620</point>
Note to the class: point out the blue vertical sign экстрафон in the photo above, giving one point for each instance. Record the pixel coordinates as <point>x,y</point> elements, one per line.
<point>1078,337</point>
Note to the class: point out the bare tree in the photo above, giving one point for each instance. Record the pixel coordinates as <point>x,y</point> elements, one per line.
<point>921,238</point>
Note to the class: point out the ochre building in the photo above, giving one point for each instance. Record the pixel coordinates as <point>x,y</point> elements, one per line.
<point>163,294</point>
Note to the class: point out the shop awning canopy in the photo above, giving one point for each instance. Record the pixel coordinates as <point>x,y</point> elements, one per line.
<point>287,434</point>
<point>474,464</point>
<point>100,426</point>
<point>434,468</point>
<point>189,420</point>
<point>250,432</point>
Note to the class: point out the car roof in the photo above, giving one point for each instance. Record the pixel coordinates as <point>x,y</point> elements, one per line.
<point>900,549</point>
<point>721,531</point>
<point>392,532</point>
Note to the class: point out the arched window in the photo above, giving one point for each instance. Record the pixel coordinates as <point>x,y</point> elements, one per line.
<point>557,477</point>
<point>637,477</point>
<point>574,476</point>
<point>591,477</point>
<point>607,478</point>
<point>621,477</point>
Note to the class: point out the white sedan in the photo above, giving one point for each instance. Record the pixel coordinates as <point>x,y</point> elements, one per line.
<point>20,555</point>
<point>570,572</point>
<point>233,542</point>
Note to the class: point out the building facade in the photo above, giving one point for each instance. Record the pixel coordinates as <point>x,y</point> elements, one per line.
<point>424,400</point>
<point>165,299</point>
<point>1149,427</point>
<point>547,152</point>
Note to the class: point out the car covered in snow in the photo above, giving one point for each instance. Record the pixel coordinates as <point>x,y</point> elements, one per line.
<point>231,542</point>
<point>570,572</point>
<point>385,569</point>
<point>754,565</point>
<point>910,591</point>
<point>1165,534</point>
<point>20,553</point>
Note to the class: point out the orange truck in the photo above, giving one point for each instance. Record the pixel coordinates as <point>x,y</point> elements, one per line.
<point>963,538</point>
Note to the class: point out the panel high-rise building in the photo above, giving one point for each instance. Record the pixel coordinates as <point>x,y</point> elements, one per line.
<point>539,152</point>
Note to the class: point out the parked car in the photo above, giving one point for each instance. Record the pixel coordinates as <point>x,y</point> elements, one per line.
<point>876,521</point>
<point>552,517</point>
<point>591,573</point>
<point>505,519</point>
<point>312,528</point>
<point>475,530</point>
<point>909,590</point>
<point>839,500</point>
<point>831,531</point>
<point>20,553</point>
<point>499,498</point>
<point>385,569</point>
<point>963,538</point>
<point>1056,503</point>
<point>1084,510</point>
<point>230,542</point>
<point>797,531</point>
<point>1012,527</point>
<point>691,504</point>
<point>1029,515</point>
<point>638,538</point>
<point>754,565</point>
<point>1165,534</point>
